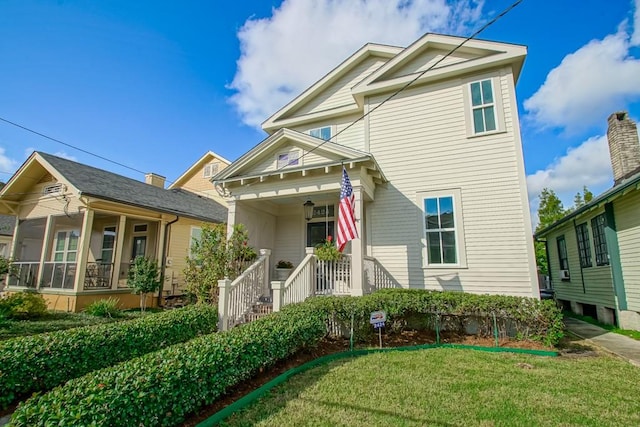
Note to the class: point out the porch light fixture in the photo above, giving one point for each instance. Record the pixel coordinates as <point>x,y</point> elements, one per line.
<point>308,209</point>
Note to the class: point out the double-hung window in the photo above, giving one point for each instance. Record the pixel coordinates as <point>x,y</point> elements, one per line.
<point>563,259</point>
<point>66,246</point>
<point>440,230</point>
<point>584,246</point>
<point>196,236</point>
<point>209,170</point>
<point>322,133</point>
<point>599,241</point>
<point>483,106</point>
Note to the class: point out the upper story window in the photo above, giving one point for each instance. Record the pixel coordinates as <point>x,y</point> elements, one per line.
<point>291,158</point>
<point>599,241</point>
<point>209,170</point>
<point>322,133</point>
<point>563,259</point>
<point>584,246</point>
<point>483,106</point>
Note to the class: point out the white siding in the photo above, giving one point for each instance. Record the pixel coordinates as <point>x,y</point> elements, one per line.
<point>627,217</point>
<point>270,162</point>
<point>289,238</point>
<point>339,93</point>
<point>353,137</point>
<point>419,139</point>
<point>423,62</point>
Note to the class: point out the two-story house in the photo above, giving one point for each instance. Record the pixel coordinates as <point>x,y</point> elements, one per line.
<point>431,142</point>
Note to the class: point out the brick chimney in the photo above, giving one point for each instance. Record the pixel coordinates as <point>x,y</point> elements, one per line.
<point>154,179</point>
<point>624,146</point>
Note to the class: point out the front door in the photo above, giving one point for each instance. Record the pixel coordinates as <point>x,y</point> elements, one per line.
<point>139,246</point>
<point>317,232</point>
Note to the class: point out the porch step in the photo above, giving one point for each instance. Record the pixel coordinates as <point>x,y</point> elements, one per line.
<point>258,310</point>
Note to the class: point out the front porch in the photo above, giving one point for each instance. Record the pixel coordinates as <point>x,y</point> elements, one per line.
<point>84,256</point>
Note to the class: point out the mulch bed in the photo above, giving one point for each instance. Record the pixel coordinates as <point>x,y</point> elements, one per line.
<point>330,346</point>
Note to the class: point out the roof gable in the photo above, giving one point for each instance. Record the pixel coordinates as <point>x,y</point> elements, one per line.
<point>434,52</point>
<point>263,157</point>
<point>208,157</point>
<point>331,94</point>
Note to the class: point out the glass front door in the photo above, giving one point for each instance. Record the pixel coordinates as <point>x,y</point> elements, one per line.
<point>317,232</point>
<point>139,246</point>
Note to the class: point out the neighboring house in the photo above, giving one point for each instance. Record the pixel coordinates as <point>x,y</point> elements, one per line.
<point>79,227</point>
<point>7,224</point>
<point>437,171</point>
<point>197,178</point>
<point>594,251</point>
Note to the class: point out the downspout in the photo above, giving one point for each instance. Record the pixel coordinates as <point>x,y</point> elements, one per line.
<point>584,289</point>
<point>164,257</point>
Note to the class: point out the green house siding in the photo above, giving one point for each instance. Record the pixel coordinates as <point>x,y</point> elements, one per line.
<point>590,285</point>
<point>627,214</point>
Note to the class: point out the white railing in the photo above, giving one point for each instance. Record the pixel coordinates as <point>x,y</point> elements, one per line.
<point>237,298</point>
<point>298,286</point>
<point>334,277</point>
<point>376,277</point>
<point>24,273</point>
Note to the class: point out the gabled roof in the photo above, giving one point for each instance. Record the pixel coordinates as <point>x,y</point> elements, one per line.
<point>484,54</point>
<point>368,50</point>
<point>199,164</point>
<point>633,182</point>
<point>240,167</point>
<point>104,185</point>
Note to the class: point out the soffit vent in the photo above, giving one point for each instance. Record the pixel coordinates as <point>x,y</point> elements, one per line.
<point>53,189</point>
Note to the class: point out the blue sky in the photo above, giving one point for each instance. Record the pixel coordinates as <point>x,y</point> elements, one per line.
<point>154,85</point>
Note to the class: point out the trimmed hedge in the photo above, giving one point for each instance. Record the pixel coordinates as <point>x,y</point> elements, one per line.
<point>162,388</point>
<point>43,361</point>
<point>523,318</point>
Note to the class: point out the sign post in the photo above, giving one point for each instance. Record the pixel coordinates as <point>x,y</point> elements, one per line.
<point>377,319</point>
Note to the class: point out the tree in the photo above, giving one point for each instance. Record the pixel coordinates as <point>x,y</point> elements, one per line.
<point>143,277</point>
<point>582,199</point>
<point>214,257</point>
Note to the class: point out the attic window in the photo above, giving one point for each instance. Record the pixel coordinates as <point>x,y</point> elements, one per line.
<point>210,170</point>
<point>292,158</point>
<point>322,133</point>
<point>53,189</point>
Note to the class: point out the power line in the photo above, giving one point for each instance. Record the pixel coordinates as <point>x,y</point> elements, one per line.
<point>394,94</point>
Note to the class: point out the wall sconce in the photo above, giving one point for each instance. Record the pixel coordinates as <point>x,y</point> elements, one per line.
<point>308,209</point>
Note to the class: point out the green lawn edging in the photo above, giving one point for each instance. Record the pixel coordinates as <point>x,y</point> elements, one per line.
<point>256,394</point>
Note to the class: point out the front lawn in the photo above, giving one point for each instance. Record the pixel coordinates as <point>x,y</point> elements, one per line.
<point>55,321</point>
<point>454,387</point>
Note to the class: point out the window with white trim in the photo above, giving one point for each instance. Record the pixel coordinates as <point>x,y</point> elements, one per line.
<point>210,170</point>
<point>65,248</point>
<point>322,133</point>
<point>483,106</point>
<point>196,235</point>
<point>108,244</point>
<point>291,158</point>
<point>442,232</point>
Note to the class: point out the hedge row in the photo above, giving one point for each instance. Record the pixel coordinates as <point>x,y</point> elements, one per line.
<point>43,361</point>
<point>524,318</point>
<point>162,388</point>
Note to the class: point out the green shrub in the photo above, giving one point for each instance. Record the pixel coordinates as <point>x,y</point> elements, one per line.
<point>107,307</point>
<point>41,362</point>
<point>162,388</point>
<point>23,305</point>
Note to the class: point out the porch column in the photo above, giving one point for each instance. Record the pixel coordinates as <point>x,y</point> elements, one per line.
<point>84,246</point>
<point>14,241</point>
<point>48,230</point>
<point>160,258</point>
<point>231,216</point>
<point>117,260</point>
<point>357,247</point>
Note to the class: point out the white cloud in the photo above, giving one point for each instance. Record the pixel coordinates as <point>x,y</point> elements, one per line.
<point>589,84</point>
<point>7,164</point>
<point>304,39</point>
<point>635,37</point>
<point>65,156</point>
<point>588,164</point>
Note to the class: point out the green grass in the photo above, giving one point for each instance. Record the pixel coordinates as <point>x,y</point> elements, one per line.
<point>611,328</point>
<point>55,321</point>
<point>453,387</point>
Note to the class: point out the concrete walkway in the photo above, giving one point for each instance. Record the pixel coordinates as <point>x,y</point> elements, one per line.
<point>624,347</point>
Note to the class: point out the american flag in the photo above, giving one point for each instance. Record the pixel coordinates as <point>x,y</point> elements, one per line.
<point>346,219</point>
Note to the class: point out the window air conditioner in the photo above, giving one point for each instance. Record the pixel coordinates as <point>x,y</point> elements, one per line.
<point>564,275</point>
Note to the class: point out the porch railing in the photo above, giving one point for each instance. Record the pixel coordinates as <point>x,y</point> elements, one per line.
<point>376,277</point>
<point>334,277</point>
<point>23,273</point>
<point>237,297</point>
<point>98,275</point>
<point>298,286</point>
<point>59,275</point>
